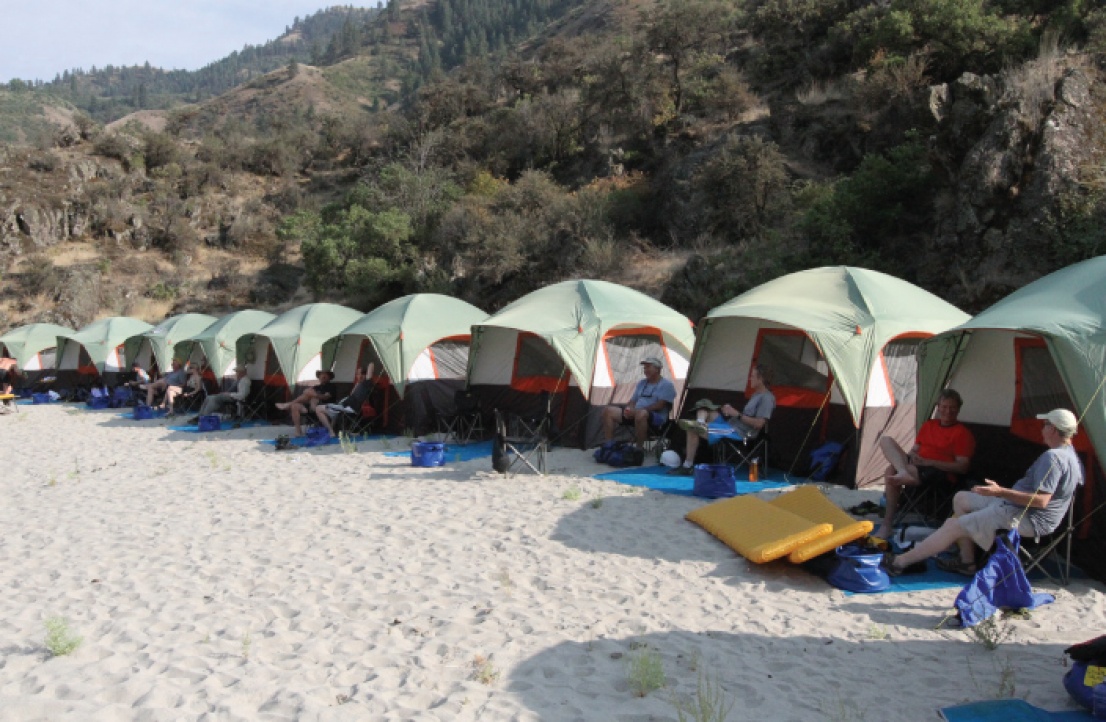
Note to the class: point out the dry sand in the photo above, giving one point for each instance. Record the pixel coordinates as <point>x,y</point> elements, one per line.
<point>213,578</point>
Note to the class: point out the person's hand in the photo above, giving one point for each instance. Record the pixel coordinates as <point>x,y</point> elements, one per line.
<point>728,411</point>
<point>628,412</point>
<point>989,487</point>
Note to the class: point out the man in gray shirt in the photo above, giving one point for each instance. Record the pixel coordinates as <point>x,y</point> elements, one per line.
<point>747,423</point>
<point>1035,505</point>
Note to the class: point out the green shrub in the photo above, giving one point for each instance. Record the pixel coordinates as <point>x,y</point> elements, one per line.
<point>60,639</point>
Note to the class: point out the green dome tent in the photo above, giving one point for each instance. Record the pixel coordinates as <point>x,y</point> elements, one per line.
<point>96,350</point>
<point>214,346</point>
<point>288,349</point>
<point>1041,347</point>
<point>156,345</point>
<point>840,345</point>
<point>583,342</point>
<point>422,342</point>
<point>33,346</point>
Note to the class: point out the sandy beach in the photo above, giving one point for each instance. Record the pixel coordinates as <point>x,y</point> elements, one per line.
<point>213,578</point>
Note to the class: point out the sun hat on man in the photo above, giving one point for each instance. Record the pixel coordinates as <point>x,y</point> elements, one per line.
<point>653,361</point>
<point>1062,420</point>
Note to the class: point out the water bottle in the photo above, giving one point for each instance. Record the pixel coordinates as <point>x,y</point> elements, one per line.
<point>754,472</point>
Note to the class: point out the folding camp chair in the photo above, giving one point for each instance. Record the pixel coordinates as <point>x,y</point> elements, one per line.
<point>260,402</point>
<point>931,500</point>
<point>659,439</point>
<point>743,452</point>
<point>1035,552</point>
<point>525,439</point>
<point>466,423</point>
<point>349,414</point>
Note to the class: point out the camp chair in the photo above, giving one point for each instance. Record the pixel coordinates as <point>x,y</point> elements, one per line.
<point>259,403</point>
<point>348,415</point>
<point>525,439</point>
<point>466,423</point>
<point>188,404</point>
<point>931,500</point>
<point>659,439</point>
<point>1033,553</point>
<point>743,452</point>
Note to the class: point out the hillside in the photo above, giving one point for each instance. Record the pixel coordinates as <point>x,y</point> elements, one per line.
<point>481,148</point>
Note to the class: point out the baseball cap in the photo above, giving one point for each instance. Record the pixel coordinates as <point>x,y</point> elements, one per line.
<point>653,361</point>
<point>1064,421</point>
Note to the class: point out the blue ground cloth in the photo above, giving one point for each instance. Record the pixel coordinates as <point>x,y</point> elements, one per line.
<point>656,477</point>
<point>932,578</point>
<point>1009,710</point>
<point>223,426</point>
<point>157,414</point>
<point>456,452</point>
<point>301,441</point>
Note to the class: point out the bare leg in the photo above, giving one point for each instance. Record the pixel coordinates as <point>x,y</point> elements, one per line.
<point>898,459</point>
<point>324,419</point>
<point>892,489</point>
<point>296,410</point>
<point>693,439</point>
<point>641,427</point>
<point>611,416</point>
<point>950,532</point>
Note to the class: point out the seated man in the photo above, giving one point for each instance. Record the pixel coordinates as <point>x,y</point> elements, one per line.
<point>748,422</point>
<point>943,449</point>
<point>185,395</point>
<point>141,376</point>
<point>241,392</point>
<point>309,400</point>
<point>174,379</point>
<point>1034,506</point>
<point>10,380</point>
<point>649,406</point>
<point>363,384</point>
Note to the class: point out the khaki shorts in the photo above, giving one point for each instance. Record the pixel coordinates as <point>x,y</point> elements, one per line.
<point>987,515</point>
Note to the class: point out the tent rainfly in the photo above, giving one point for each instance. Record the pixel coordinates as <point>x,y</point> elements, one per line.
<point>421,343</point>
<point>214,346</point>
<point>155,347</point>
<point>580,341</point>
<point>1040,348</point>
<point>96,351</point>
<point>33,346</point>
<point>287,351</point>
<point>840,344</point>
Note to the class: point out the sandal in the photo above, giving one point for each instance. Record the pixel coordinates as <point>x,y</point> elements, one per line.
<point>954,565</point>
<point>865,508</point>
<point>888,564</point>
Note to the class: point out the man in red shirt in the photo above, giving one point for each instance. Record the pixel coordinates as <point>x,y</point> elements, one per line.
<point>942,450</point>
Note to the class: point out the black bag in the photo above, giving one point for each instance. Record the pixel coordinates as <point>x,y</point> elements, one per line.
<point>620,453</point>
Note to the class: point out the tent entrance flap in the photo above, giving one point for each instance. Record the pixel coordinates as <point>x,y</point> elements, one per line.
<point>623,352</point>
<point>800,375</point>
<point>538,367</point>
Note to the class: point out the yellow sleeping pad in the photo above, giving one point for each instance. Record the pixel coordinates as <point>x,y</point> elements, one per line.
<point>811,504</point>
<point>755,529</point>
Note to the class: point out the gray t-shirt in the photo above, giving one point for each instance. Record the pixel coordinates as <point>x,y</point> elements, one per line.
<point>647,394</point>
<point>760,406</point>
<point>1056,472</point>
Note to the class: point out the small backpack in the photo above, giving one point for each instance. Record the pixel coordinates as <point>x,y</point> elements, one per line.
<point>620,454</point>
<point>824,460</point>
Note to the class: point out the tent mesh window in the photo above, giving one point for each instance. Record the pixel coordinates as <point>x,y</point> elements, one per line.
<point>901,358</point>
<point>795,362</point>
<point>625,352</point>
<point>1040,387</point>
<point>538,362</point>
<point>451,358</point>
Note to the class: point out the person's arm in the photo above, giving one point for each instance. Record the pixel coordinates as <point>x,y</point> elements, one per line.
<point>1031,500</point>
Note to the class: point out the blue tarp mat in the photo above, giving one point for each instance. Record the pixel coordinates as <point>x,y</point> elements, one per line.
<point>158,414</point>
<point>456,452</point>
<point>223,426</point>
<point>1009,710</point>
<point>656,477</point>
<point>301,441</point>
<point>933,578</point>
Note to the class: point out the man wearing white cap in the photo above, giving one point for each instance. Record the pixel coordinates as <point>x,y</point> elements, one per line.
<point>649,406</point>
<point>1035,505</point>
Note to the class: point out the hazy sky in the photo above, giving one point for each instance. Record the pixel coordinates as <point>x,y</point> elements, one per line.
<point>44,37</point>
